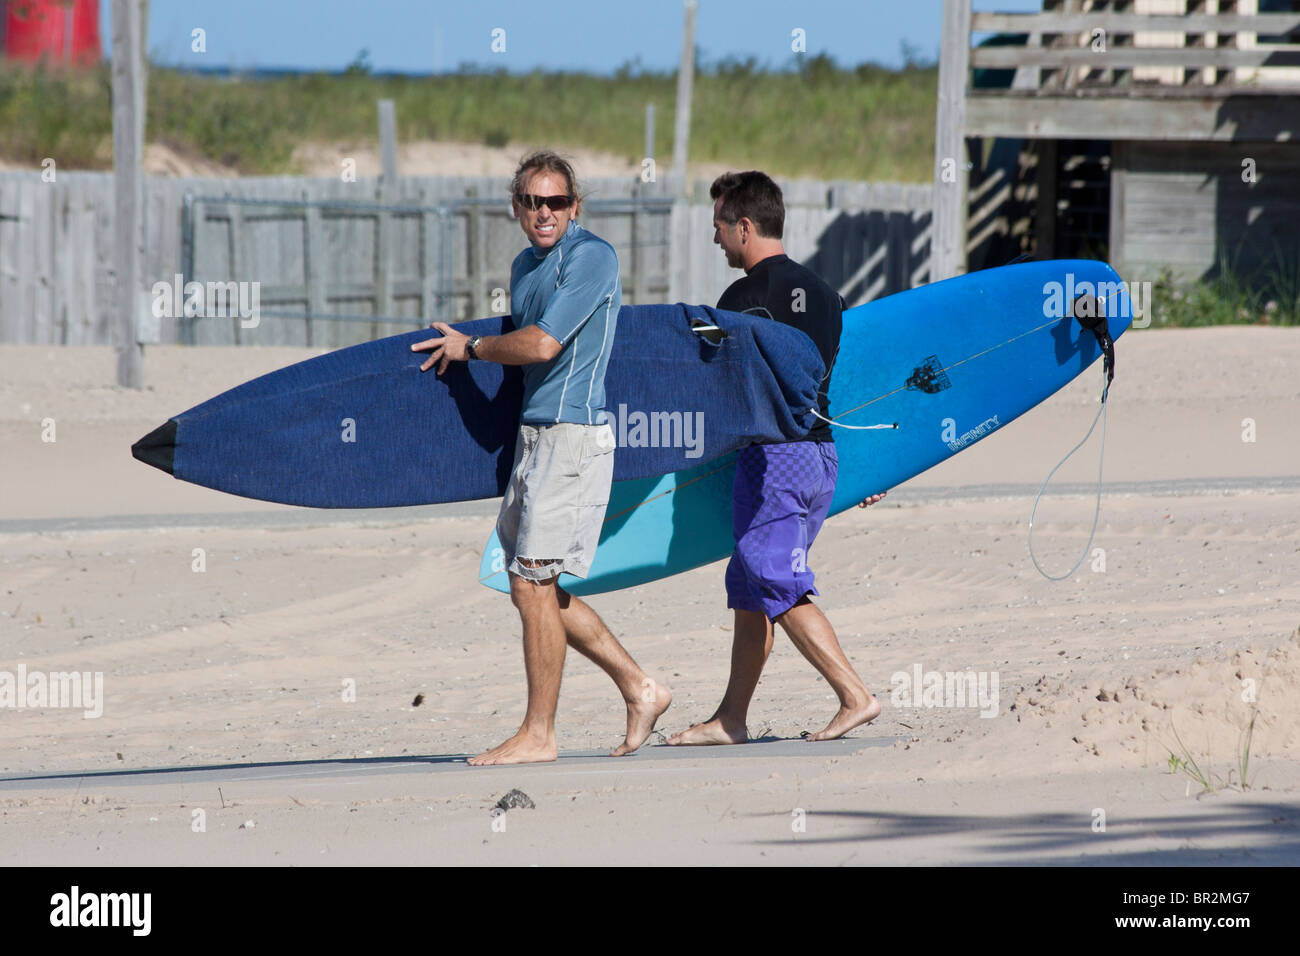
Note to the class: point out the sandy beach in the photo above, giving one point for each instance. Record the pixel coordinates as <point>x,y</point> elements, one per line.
<point>422,157</point>
<point>274,689</point>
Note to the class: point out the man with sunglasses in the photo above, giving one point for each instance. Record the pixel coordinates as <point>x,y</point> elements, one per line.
<point>565,294</point>
<point>783,489</point>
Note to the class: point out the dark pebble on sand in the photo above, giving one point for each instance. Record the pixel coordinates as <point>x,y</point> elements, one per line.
<point>516,800</point>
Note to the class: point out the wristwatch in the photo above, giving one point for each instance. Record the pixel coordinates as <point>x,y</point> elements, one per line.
<point>472,344</point>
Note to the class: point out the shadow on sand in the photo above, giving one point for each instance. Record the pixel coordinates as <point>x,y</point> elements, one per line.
<point>1067,839</point>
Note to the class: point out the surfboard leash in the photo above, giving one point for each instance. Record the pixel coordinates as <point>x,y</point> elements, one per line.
<point>1096,324</point>
<point>858,428</point>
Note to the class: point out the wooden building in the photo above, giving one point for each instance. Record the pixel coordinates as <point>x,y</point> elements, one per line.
<point>1159,134</point>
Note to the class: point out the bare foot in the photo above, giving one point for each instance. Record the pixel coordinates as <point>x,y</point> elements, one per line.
<point>521,748</point>
<point>642,715</point>
<point>847,718</point>
<point>712,731</point>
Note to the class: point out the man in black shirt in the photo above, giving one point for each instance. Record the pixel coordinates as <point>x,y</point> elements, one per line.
<point>783,490</point>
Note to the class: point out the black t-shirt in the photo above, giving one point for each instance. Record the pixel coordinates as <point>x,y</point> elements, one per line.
<point>781,289</point>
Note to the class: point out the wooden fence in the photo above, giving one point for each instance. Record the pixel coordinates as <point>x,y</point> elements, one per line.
<point>334,265</point>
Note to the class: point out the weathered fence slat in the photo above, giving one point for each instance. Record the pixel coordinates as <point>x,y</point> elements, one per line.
<point>290,235</point>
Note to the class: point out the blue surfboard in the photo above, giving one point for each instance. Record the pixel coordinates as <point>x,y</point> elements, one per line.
<point>363,427</point>
<point>948,363</point>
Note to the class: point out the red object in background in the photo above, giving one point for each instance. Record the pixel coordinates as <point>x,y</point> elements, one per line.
<point>59,32</point>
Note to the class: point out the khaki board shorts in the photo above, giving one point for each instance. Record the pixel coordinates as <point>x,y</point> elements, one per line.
<point>555,502</point>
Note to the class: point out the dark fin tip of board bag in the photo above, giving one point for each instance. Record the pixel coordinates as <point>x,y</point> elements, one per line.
<point>158,448</point>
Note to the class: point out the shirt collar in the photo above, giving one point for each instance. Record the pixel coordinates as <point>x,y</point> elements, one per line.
<point>769,261</point>
<point>569,233</point>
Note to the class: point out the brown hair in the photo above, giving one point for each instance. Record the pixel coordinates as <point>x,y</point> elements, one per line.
<point>754,196</point>
<point>546,161</point>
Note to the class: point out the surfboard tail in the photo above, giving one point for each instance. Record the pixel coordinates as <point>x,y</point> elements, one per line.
<point>158,448</point>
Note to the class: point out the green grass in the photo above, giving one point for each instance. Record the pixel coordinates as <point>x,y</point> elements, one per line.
<point>1184,762</point>
<point>1187,764</point>
<point>820,121</point>
<point>64,115</point>
<point>1268,293</point>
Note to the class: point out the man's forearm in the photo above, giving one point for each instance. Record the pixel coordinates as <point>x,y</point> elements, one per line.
<point>520,347</point>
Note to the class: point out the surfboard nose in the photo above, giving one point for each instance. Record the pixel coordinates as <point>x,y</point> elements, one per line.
<point>158,448</point>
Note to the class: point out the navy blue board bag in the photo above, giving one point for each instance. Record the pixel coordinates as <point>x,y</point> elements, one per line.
<point>363,427</point>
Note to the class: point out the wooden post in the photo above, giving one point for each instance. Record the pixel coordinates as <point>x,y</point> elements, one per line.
<point>680,247</point>
<point>1051,77</point>
<point>640,254</point>
<point>314,254</point>
<point>476,262</point>
<point>640,264</point>
<point>948,235</point>
<point>64,236</point>
<point>1118,175</point>
<point>1045,220</point>
<point>236,258</point>
<point>128,185</point>
<point>388,143</point>
<point>685,84</point>
<point>447,264</point>
<point>429,234</point>
<point>649,133</point>
<point>1070,75</point>
<point>384,221</point>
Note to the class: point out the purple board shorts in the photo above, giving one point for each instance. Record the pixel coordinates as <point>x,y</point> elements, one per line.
<point>781,497</point>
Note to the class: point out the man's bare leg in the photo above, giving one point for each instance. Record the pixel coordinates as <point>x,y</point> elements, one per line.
<point>646,698</point>
<point>813,635</point>
<point>544,645</point>
<point>750,646</point>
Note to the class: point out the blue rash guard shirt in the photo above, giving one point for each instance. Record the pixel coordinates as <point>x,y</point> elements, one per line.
<point>572,292</point>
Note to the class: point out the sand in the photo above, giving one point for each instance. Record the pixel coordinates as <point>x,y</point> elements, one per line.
<point>1168,644</point>
<point>423,157</point>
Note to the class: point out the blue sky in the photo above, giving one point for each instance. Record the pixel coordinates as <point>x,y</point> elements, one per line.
<point>421,36</point>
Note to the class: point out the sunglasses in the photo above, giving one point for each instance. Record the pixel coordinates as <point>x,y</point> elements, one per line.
<point>533,203</point>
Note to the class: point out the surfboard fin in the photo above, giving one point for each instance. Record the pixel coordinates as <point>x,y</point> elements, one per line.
<point>158,448</point>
